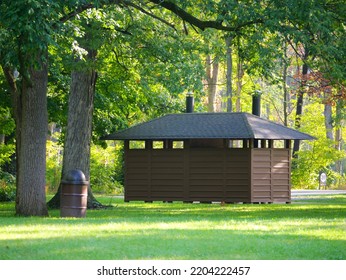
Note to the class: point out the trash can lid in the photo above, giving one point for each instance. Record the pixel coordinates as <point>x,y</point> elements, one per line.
<point>76,177</point>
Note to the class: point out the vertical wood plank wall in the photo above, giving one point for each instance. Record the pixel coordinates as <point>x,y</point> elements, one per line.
<point>207,174</point>
<point>271,175</point>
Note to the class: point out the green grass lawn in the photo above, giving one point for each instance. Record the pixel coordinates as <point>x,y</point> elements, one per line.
<point>311,228</point>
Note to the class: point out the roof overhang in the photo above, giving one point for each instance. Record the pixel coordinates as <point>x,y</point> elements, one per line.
<point>208,126</point>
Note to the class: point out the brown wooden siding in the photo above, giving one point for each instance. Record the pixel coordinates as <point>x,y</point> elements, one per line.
<point>271,175</point>
<point>188,175</point>
<point>207,174</point>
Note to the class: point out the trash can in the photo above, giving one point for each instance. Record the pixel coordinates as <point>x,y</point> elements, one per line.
<point>74,195</point>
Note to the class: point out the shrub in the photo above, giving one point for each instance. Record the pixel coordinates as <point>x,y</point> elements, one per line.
<point>315,156</point>
<point>54,165</point>
<point>106,174</point>
<point>7,187</point>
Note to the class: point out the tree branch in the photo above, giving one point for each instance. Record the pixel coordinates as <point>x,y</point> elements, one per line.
<point>200,23</point>
<point>87,6</point>
<point>174,8</point>
<point>76,12</point>
<point>149,14</point>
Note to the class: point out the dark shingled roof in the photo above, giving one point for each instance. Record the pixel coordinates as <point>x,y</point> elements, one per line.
<point>208,125</point>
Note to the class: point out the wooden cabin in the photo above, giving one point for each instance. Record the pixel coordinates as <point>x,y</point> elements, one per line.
<point>208,157</point>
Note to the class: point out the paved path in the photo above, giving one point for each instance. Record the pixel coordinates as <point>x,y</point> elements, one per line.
<point>316,192</point>
<point>297,193</point>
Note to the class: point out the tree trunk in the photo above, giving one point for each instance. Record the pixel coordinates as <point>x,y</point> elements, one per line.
<point>299,108</point>
<point>338,133</point>
<point>78,135</point>
<point>328,121</point>
<point>30,110</point>
<point>79,129</point>
<point>240,75</point>
<point>229,74</point>
<point>284,85</point>
<point>212,69</point>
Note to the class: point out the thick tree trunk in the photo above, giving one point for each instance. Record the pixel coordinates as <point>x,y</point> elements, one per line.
<point>30,110</point>
<point>78,135</point>
<point>229,74</point>
<point>212,69</point>
<point>79,130</point>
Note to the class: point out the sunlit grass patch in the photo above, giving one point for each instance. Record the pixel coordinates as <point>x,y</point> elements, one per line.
<point>304,230</point>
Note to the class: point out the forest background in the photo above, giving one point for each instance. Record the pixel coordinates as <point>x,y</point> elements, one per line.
<point>73,71</point>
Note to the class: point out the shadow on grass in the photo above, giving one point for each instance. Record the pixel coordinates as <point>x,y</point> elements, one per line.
<point>336,208</point>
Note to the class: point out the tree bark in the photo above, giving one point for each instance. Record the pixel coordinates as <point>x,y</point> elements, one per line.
<point>79,129</point>
<point>30,110</point>
<point>78,136</point>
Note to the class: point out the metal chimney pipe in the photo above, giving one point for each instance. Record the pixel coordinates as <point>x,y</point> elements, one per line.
<point>256,103</point>
<point>189,102</point>
<point>256,109</point>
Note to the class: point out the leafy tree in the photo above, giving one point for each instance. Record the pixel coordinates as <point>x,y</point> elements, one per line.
<point>315,156</point>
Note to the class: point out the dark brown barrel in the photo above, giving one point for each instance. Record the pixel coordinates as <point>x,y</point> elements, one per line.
<point>74,195</point>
